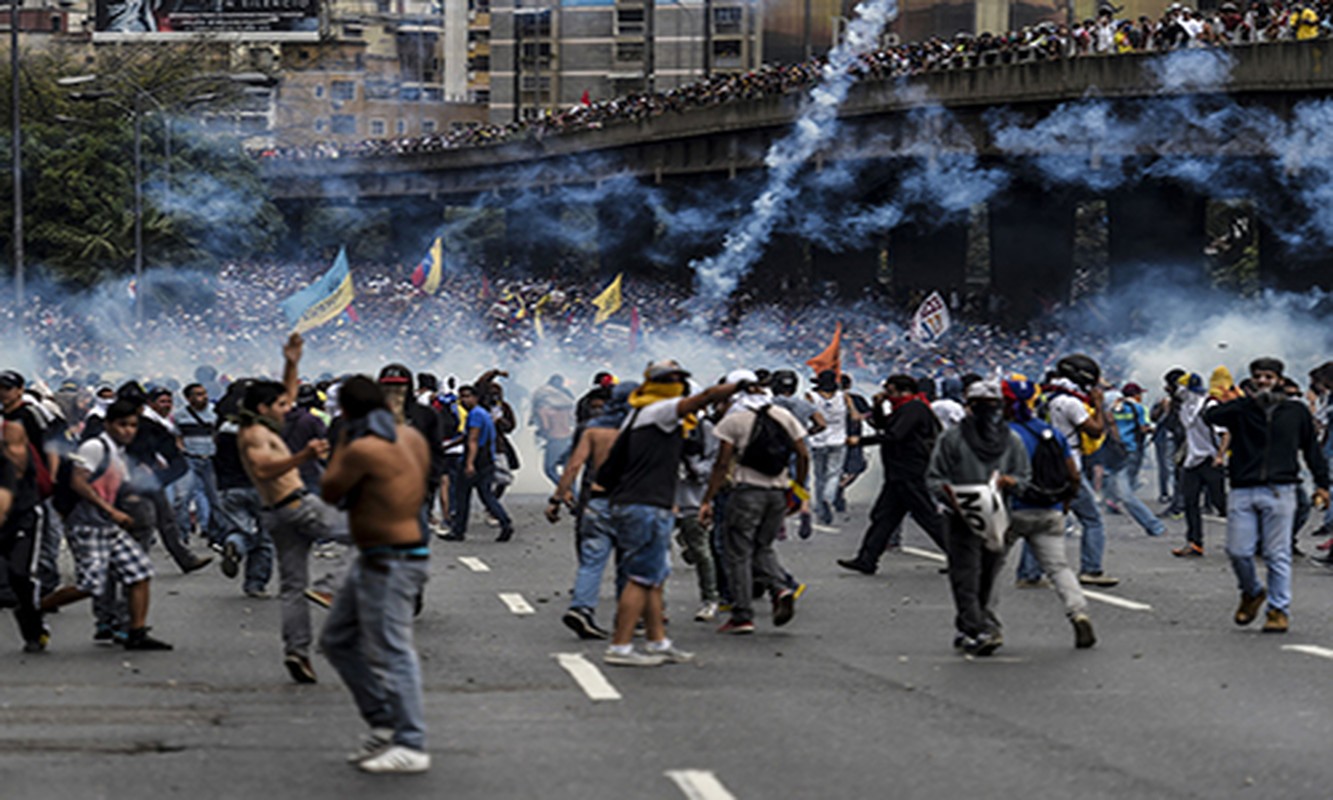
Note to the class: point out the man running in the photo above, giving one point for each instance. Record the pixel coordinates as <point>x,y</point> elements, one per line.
<point>292,517</point>
<point>380,468</point>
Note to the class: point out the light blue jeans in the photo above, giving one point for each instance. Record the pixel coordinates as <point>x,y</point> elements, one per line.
<point>1261,516</point>
<point>1118,489</point>
<point>200,485</point>
<point>826,467</point>
<point>594,550</point>
<point>368,640</point>
<point>236,520</point>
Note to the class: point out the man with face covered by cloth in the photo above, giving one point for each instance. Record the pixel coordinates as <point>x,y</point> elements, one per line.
<point>1268,430</point>
<point>969,454</point>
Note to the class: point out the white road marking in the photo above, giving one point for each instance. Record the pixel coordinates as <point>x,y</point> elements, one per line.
<point>516,603</point>
<point>698,784</point>
<point>1309,650</point>
<point>825,529</point>
<point>1109,599</point>
<point>1112,600</point>
<point>930,554</point>
<point>589,678</point>
<point>473,563</point>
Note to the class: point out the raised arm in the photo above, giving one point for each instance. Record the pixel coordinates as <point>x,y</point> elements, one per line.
<point>265,466</point>
<point>291,362</point>
<point>706,398</point>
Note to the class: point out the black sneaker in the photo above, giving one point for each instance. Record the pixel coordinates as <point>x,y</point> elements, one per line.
<point>231,560</point>
<point>196,565</point>
<point>855,566</point>
<point>104,634</point>
<point>784,607</point>
<point>138,639</point>
<point>505,535</point>
<point>983,644</point>
<point>299,668</point>
<point>580,621</point>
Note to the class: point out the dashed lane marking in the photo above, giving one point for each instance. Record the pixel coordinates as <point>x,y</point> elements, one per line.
<point>516,603</point>
<point>588,677</point>
<point>473,563</point>
<point>1112,600</point>
<point>698,784</point>
<point>930,554</point>
<point>1109,599</point>
<point>1309,650</point>
<point>825,529</point>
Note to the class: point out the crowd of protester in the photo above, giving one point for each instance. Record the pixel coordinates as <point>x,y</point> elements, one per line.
<point>1179,27</point>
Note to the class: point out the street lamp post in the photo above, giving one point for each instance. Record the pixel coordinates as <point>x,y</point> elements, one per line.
<point>136,112</point>
<point>16,145</point>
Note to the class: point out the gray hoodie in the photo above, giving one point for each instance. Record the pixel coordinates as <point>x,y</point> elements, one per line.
<point>954,462</point>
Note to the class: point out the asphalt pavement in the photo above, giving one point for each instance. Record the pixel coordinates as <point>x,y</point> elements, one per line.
<point>861,695</point>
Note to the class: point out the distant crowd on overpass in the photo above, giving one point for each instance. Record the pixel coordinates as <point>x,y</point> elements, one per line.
<point>1179,27</point>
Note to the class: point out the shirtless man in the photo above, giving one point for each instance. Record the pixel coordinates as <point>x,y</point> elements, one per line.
<point>592,535</point>
<point>294,518</point>
<point>380,469</point>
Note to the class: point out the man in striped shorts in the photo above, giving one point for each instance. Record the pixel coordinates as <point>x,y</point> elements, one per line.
<point>98,536</point>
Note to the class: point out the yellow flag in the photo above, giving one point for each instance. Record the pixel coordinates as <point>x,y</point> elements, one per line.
<point>608,302</point>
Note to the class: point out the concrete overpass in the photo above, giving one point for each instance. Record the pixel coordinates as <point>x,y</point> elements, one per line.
<point>1031,226</point>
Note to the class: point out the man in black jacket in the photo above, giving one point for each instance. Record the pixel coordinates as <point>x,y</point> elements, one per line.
<point>1267,432</point>
<point>905,440</point>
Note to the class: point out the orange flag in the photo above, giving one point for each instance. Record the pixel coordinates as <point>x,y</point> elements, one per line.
<point>831,357</point>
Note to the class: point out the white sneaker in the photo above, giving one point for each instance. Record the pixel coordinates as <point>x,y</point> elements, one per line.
<point>671,655</point>
<point>397,759</point>
<point>634,658</point>
<point>706,613</point>
<point>375,742</point>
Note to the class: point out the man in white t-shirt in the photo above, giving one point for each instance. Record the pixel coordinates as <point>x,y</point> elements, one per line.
<point>757,503</point>
<point>1072,390</point>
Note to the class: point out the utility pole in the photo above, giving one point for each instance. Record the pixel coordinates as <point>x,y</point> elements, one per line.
<point>808,41</point>
<point>649,46</point>
<point>518,64</point>
<point>708,39</point>
<point>138,209</point>
<point>17,148</point>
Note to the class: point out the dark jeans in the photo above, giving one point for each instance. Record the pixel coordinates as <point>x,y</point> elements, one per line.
<point>1193,481</point>
<point>754,516</point>
<point>19,550</point>
<point>972,571</point>
<point>896,500</point>
<point>484,484</point>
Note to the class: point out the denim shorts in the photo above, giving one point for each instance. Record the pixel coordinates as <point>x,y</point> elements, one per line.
<point>643,535</point>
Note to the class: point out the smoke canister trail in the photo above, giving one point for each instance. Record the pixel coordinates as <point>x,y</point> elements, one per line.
<point>716,277</point>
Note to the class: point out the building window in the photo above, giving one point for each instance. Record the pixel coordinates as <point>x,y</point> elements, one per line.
<point>727,20</point>
<point>727,53</point>
<point>629,51</point>
<point>482,96</point>
<point>535,25</point>
<point>343,124</point>
<point>433,94</point>
<point>320,125</point>
<point>401,127</point>
<point>343,90</point>
<point>629,22</point>
<point>428,126</point>
<point>479,64</point>
<point>377,127</point>
<point>319,91</point>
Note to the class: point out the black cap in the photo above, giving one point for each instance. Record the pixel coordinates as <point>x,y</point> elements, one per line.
<point>9,379</point>
<point>396,375</point>
<point>1267,364</point>
<point>425,380</point>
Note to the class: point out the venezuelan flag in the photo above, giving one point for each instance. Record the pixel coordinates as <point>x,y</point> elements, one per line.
<point>324,300</point>
<point>430,272</point>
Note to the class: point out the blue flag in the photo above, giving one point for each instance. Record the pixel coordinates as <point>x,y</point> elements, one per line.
<point>322,300</point>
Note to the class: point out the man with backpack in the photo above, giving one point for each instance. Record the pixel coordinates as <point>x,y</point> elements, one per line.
<point>1203,467</point>
<point>1037,515</point>
<point>759,438</point>
<point>906,437</point>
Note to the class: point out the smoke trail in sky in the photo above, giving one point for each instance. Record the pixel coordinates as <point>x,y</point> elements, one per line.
<point>716,277</point>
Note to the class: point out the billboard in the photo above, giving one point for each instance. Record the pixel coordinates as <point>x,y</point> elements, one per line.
<point>251,19</point>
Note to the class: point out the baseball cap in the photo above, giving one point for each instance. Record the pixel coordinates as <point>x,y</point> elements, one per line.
<point>742,376</point>
<point>1132,389</point>
<point>659,370</point>
<point>985,390</point>
<point>9,379</point>
<point>395,375</point>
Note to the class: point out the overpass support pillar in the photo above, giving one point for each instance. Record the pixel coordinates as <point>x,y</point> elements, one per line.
<point>783,270</point>
<point>1156,229</point>
<point>1031,250</point>
<point>626,239</point>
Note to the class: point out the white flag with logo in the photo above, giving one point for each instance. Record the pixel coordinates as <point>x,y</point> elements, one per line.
<point>931,320</point>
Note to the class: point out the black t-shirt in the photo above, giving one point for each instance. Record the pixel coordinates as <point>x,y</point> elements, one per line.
<point>227,466</point>
<point>652,465</point>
